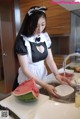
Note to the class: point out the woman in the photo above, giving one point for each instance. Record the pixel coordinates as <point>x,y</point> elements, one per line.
<point>33,46</point>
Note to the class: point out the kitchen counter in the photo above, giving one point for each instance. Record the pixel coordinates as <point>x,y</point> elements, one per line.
<point>43,108</point>
<point>25,110</point>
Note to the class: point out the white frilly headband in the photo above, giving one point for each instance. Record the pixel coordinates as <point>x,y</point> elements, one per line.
<point>42,9</point>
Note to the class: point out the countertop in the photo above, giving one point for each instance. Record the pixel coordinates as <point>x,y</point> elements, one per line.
<point>25,110</point>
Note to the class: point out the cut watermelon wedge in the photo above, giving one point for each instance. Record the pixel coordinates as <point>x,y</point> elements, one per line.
<point>27,91</point>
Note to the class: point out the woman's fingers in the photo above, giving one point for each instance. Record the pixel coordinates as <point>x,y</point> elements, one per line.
<point>64,80</point>
<point>54,92</point>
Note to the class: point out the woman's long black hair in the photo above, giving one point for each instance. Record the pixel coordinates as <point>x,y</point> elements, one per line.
<point>30,22</point>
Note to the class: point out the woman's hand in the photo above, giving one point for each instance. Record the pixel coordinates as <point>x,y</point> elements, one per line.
<point>51,90</point>
<point>63,79</point>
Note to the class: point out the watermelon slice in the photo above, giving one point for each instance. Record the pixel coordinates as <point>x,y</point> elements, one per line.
<point>27,91</point>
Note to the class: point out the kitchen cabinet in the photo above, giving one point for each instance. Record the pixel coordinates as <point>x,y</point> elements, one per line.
<point>59,62</point>
<point>58,18</point>
<point>59,24</point>
<point>7,59</point>
<point>26,4</point>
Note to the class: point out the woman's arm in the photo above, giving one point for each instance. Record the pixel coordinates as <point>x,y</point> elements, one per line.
<point>52,65</point>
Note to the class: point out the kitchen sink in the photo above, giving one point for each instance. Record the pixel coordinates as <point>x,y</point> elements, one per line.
<point>69,99</point>
<point>52,81</point>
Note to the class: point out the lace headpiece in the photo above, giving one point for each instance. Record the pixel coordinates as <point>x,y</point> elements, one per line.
<point>42,9</point>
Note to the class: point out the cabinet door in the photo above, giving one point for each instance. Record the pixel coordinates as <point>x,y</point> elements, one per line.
<point>58,19</point>
<point>1,67</point>
<point>7,59</point>
<point>59,24</point>
<point>26,4</point>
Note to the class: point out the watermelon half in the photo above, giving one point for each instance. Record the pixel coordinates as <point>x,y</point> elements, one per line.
<point>27,91</point>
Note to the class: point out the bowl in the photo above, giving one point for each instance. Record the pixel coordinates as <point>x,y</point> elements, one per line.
<point>64,91</point>
<point>68,73</point>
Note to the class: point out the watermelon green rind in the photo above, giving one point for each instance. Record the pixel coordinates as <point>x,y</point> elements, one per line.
<point>31,93</point>
<point>27,97</point>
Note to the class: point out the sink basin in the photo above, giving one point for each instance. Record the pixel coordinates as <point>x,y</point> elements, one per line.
<point>56,110</point>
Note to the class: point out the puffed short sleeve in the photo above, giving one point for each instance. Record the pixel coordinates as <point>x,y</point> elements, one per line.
<point>48,40</point>
<point>20,47</point>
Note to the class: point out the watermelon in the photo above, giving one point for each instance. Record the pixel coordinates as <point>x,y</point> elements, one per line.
<point>27,91</point>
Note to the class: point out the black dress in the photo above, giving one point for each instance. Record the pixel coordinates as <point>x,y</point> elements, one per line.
<point>35,48</point>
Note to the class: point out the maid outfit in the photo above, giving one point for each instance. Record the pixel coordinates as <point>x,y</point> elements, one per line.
<point>35,47</point>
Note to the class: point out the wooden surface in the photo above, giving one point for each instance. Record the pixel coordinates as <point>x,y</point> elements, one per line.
<point>59,62</point>
<point>58,18</point>
<point>7,45</point>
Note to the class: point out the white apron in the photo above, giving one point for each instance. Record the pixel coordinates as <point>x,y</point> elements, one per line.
<point>38,68</point>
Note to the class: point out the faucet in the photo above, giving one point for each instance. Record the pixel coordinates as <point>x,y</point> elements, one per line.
<point>70,55</point>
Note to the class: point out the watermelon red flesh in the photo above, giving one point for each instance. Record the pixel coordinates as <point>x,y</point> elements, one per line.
<point>27,87</point>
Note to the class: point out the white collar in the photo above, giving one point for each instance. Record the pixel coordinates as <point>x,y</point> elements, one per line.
<point>32,38</point>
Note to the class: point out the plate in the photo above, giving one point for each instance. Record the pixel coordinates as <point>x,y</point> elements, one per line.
<point>64,90</point>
